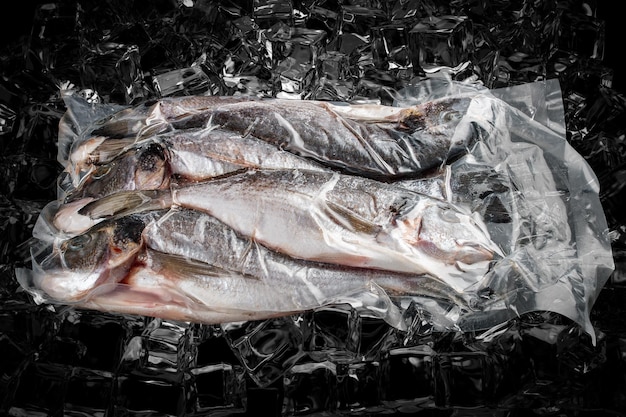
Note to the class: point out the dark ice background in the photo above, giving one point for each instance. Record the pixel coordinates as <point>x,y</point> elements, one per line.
<point>82,363</point>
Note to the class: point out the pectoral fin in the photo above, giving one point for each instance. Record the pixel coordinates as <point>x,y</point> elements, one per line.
<point>110,148</point>
<point>180,267</point>
<point>349,219</point>
<point>127,202</point>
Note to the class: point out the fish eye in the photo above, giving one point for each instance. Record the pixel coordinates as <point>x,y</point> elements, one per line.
<point>78,242</point>
<point>150,159</point>
<point>449,116</point>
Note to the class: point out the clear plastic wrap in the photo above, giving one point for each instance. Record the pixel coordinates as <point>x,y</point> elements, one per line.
<point>506,167</point>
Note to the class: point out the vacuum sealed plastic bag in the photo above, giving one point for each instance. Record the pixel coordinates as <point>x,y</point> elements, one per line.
<point>464,203</point>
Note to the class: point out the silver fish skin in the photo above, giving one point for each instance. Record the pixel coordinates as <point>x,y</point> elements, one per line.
<point>403,143</point>
<point>348,220</point>
<point>277,281</point>
<point>181,157</point>
<point>200,154</point>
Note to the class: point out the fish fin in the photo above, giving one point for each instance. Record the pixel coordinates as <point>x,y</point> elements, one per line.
<point>132,125</point>
<point>423,285</point>
<point>127,202</point>
<point>181,266</point>
<point>347,218</point>
<point>111,148</point>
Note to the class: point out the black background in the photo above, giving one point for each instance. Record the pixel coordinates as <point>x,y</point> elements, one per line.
<point>19,15</point>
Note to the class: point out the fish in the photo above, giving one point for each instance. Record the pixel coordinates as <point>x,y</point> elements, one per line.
<point>182,157</point>
<point>186,265</point>
<point>109,268</point>
<point>174,288</point>
<point>335,218</point>
<point>194,235</point>
<point>380,142</point>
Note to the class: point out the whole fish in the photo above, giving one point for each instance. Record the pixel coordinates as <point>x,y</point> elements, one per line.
<point>174,288</point>
<point>334,218</point>
<point>181,157</point>
<point>381,143</point>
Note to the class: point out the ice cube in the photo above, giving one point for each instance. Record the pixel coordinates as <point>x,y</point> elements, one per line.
<point>445,41</point>
<point>462,379</point>
<point>310,387</point>
<point>186,81</point>
<point>580,34</point>
<point>57,52</point>
<point>359,384</point>
<point>408,373</point>
<point>140,393</point>
<point>7,119</point>
<point>332,90</point>
<point>408,11</point>
<point>267,349</point>
<point>219,385</point>
<point>334,66</point>
<point>114,70</point>
<point>167,348</point>
<point>359,19</point>
<point>88,392</point>
<point>390,46</point>
<point>91,340</point>
<point>302,45</point>
<point>322,18</point>
<point>334,334</point>
<point>41,388</point>
<point>293,78</point>
<point>267,13</point>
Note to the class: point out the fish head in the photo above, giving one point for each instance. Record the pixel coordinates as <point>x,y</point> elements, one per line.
<point>77,266</point>
<point>144,168</point>
<point>438,117</point>
<point>447,234</point>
